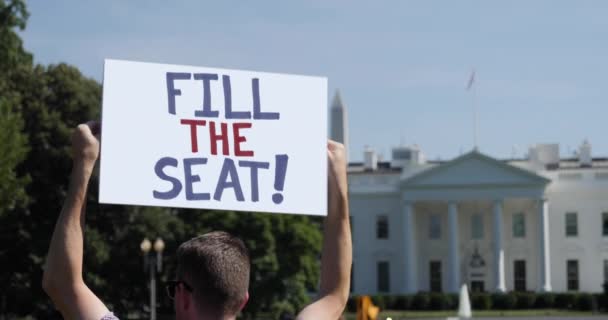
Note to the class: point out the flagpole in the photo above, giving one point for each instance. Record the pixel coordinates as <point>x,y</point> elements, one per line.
<point>471,87</point>
<point>475,118</point>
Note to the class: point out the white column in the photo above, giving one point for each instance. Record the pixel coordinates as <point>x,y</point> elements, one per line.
<point>544,275</point>
<point>454,259</point>
<point>411,279</point>
<point>499,252</point>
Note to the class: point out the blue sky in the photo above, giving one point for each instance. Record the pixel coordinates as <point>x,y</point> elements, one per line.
<point>401,66</point>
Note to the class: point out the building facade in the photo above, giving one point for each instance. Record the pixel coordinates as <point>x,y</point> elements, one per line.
<point>533,224</point>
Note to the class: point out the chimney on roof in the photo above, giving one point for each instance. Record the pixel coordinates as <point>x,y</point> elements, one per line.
<point>404,156</point>
<point>370,159</point>
<point>584,154</point>
<point>545,155</point>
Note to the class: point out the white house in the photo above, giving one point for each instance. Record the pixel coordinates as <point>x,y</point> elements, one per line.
<point>534,224</point>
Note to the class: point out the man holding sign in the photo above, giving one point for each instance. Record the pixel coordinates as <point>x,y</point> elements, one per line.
<point>213,270</point>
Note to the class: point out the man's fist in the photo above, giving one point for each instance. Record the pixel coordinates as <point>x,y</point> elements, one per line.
<point>85,142</point>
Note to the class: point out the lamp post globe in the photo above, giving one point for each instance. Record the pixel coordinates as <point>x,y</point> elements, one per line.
<point>159,245</point>
<point>145,245</point>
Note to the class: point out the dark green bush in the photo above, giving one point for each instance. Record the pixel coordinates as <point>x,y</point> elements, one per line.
<point>504,301</point>
<point>565,300</point>
<point>498,300</point>
<point>390,302</point>
<point>403,302</point>
<point>510,301</point>
<point>602,302</point>
<point>439,301</point>
<point>282,309</point>
<point>421,301</point>
<point>453,299</point>
<point>379,301</point>
<point>525,300</point>
<point>481,301</point>
<point>545,300</point>
<point>488,301</point>
<point>351,304</point>
<point>598,300</point>
<point>584,302</point>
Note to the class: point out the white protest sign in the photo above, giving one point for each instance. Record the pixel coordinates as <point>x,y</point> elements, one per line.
<point>195,137</point>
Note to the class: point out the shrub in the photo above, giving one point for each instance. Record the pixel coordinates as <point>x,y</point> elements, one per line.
<point>598,302</point>
<point>453,299</point>
<point>504,301</point>
<point>390,302</point>
<point>439,301</point>
<point>525,300</point>
<point>545,301</point>
<point>510,301</point>
<point>603,302</point>
<point>351,304</point>
<point>565,301</point>
<point>481,301</point>
<point>282,310</point>
<point>584,302</point>
<point>403,302</point>
<point>379,301</point>
<point>421,301</point>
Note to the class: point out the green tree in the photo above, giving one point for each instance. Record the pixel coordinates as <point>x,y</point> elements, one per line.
<point>13,143</point>
<point>39,106</point>
<point>13,149</point>
<point>52,100</point>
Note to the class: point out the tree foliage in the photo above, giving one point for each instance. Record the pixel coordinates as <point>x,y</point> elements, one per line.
<point>39,106</point>
<point>13,148</point>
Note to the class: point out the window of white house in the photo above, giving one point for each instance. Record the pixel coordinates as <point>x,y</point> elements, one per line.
<point>571,224</point>
<point>605,272</point>
<point>382,227</point>
<point>519,275</point>
<point>435,226</point>
<point>435,276</point>
<point>605,224</point>
<point>519,225</point>
<point>383,276</point>
<point>477,226</point>
<point>572,274</point>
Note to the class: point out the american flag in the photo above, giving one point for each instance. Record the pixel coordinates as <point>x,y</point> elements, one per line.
<point>471,80</point>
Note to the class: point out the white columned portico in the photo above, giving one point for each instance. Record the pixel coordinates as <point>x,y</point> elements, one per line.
<point>544,275</point>
<point>454,259</point>
<point>409,227</point>
<point>499,252</point>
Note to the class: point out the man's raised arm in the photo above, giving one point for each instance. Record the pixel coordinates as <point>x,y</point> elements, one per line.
<point>62,278</point>
<point>337,256</point>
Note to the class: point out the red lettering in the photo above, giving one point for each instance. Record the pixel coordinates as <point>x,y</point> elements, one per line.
<point>238,138</point>
<point>193,135</point>
<point>214,137</point>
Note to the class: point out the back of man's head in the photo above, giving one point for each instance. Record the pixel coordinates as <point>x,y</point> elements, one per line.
<point>216,265</point>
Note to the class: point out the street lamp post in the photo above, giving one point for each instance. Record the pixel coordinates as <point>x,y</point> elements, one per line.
<point>153,267</point>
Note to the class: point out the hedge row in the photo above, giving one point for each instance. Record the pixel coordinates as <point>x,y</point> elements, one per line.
<point>486,301</point>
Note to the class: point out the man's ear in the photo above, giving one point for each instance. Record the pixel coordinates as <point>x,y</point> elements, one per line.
<point>244,300</point>
<point>185,298</point>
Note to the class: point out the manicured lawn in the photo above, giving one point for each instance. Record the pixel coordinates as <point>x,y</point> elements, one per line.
<point>488,313</point>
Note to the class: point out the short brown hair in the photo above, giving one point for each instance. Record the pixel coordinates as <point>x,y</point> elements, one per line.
<point>216,265</point>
